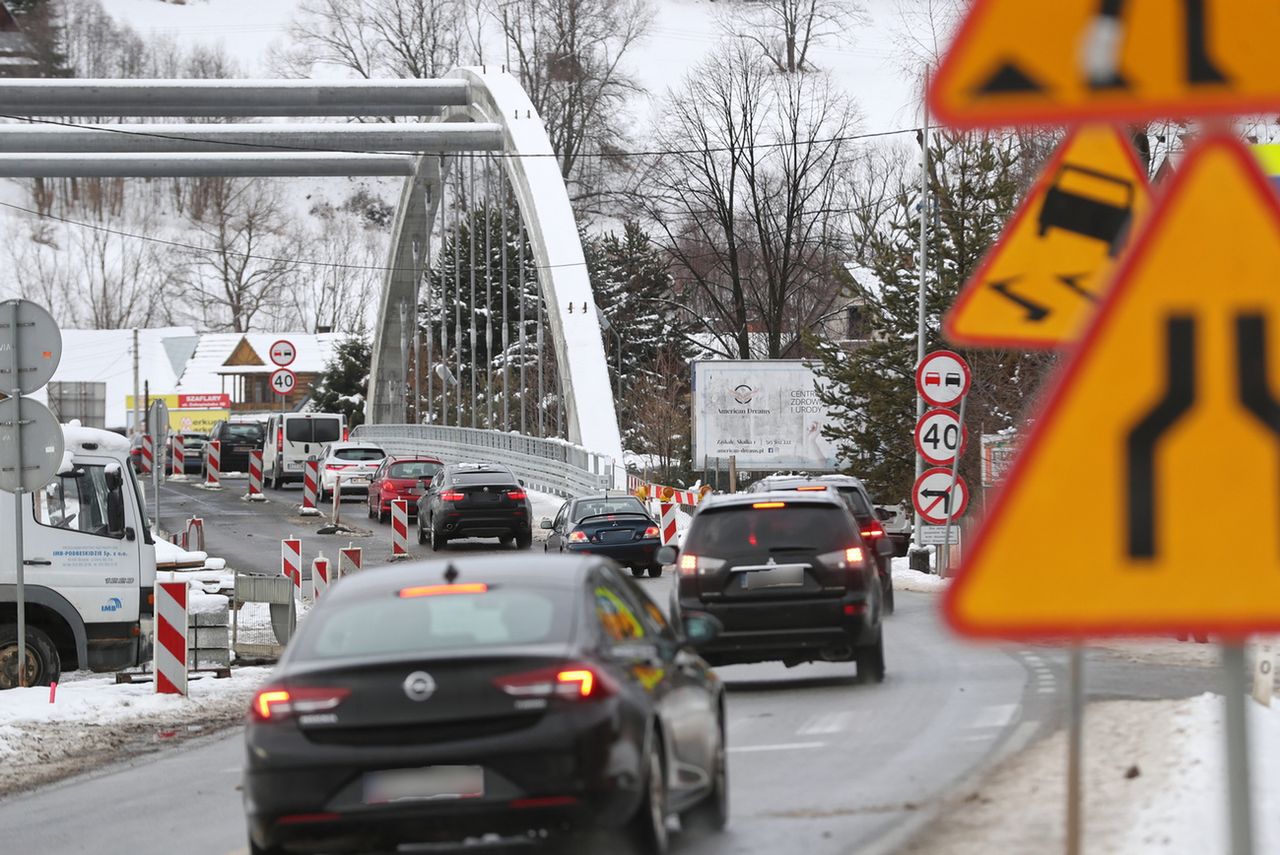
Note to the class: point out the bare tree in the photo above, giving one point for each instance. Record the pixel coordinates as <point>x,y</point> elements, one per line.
<point>342,295</point>
<point>568,54</point>
<point>748,195</point>
<point>241,273</point>
<point>786,30</point>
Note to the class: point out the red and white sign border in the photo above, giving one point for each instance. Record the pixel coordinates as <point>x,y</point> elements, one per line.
<point>272,353</point>
<point>957,513</point>
<point>924,365</point>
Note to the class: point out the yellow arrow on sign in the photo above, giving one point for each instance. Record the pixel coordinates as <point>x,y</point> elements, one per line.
<point>1042,281</point>
<point>1030,61</point>
<point>1168,406</point>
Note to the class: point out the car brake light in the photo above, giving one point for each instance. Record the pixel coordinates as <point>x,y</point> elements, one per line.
<point>853,555</point>
<point>275,704</point>
<point>688,564</point>
<point>451,497</point>
<point>518,495</point>
<point>443,590</point>
<point>765,505</point>
<point>346,434</point>
<point>577,537</point>
<point>279,437</point>
<point>812,488</point>
<point>872,531</point>
<point>651,531</point>
<point>575,682</point>
<point>334,466</point>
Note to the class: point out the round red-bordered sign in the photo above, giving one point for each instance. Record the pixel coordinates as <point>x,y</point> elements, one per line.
<point>943,378</point>
<point>932,493</point>
<point>283,381</point>
<point>940,437</point>
<point>283,353</point>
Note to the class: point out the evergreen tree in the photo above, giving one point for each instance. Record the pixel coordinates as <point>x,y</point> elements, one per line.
<point>975,183</point>
<point>344,385</point>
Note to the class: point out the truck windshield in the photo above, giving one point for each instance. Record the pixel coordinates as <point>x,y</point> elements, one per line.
<point>75,501</point>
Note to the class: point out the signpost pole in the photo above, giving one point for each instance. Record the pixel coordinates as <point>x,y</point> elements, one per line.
<point>1239,805</point>
<point>18,547</point>
<point>924,266</point>
<point>1075,752</point>
<point>945,563</point>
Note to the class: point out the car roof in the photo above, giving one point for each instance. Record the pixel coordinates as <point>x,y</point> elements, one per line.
<point>772,481</point>
<point>744,500</point>
<point>604,497</point>
<point>354,444</point>
<point>555,571</point>
<point>399,458</point>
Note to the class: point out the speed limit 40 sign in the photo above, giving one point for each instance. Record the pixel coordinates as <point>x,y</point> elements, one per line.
<point>940,437</point>
<point>283,381</point>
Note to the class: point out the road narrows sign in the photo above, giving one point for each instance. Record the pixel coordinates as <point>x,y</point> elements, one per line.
<point>1168,403</point>
<point>942,378</point>
<point>935,494</point>
<point>283,353</point>
<point>940,436</point>
<point>283,381</point>
<point>1042,281</point>
<point>1016,62</point>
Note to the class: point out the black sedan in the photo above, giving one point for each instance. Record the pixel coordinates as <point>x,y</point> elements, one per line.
<point>617,527</point>
<point>437,702</point>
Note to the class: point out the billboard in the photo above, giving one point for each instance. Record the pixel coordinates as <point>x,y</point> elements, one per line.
<point>764,412</point>
<point>193,413</point>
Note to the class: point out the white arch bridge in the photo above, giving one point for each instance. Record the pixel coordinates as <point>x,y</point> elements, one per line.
<point>488,342</point>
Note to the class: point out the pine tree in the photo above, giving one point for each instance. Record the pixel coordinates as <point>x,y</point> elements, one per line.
<point>975,183</point>
<point>344,385</point>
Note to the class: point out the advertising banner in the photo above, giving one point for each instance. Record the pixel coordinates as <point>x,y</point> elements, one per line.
<point>191,413</point>
<point>764,412</point>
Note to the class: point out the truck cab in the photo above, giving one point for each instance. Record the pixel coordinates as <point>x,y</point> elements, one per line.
<point>89,566</point>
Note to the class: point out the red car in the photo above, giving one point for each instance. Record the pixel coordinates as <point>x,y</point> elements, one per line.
<point>400,478</point>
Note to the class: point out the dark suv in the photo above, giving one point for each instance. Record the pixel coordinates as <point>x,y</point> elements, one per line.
<point>239,440</point>
<point>475,500</point>
<point>788,575</point>
<point>855,495</point>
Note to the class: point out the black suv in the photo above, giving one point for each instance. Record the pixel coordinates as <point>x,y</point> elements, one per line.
<point>475,500</point>
<point>788,575</point>
<point>855,495</point>
<point>239,439</point>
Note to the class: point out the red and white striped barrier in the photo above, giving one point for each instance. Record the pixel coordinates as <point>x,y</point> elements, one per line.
<point>350,560</point>
<point>310,487</point>
<point>255,476</point>
<point>319,576</point>
<point>667,522</point>
<point>213,463</point>
<point>193,535</point>
<point>171,638</point>
<point>291,561</point>
<point>148,454</point>
<point>179,456</point>
<point>399,528</point>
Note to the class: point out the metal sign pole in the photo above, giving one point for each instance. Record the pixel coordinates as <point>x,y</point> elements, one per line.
<point>1075,753</point>
<point>945,563</point>
<point>19,556</point>
<point>1238,797</point>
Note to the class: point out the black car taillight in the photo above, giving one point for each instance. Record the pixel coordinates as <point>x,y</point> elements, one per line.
<point>274,704</point>
<point>516,495</point>
<point>872,530</point>
<point>570,682</point>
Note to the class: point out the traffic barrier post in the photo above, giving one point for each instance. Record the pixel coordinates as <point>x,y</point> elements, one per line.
<point>667,522</point>
<point>350,560</point>
<point>213,463</point>
<point>148,454</point>
<point>255,477</point>
<point>179,456</point>
<point>399,528</point>
<point>171,638</point>
<point>310,486</point>
<point>193,535</point>
<point>319,576</point>
<point>291,561</point>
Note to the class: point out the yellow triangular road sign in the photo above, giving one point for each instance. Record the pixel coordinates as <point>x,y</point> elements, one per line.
<point>1164,424</point>
<point>1030,61</point>
<point>1042,281</point>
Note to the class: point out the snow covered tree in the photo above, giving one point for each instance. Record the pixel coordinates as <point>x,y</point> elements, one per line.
<point>975,183</point>
<point>344,385</point>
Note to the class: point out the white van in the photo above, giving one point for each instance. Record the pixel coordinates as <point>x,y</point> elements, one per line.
<point>294,437</point>
<point>89,565</point>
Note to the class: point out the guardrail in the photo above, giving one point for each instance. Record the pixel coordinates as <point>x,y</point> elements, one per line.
<point>549,465</point>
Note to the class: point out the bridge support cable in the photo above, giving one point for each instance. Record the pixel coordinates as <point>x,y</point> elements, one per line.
<point>457,289</point>
<point>471,305</point>
<point>488,292</point>
<point>524,336</point>
<point>506,312</point>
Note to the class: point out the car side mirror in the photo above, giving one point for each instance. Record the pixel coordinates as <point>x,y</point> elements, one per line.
<point>700,627</point>
<point>884,515</point>
<point>884,547</point>
<point>546,523</point>
<point>666,555</point>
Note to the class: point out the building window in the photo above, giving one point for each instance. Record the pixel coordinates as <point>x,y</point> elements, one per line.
<point>856,323</point>
<point>84,401</point>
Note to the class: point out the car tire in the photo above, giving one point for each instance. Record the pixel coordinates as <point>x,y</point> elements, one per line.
<point>870,661</point>
<point>422,534</point>
<point>384,517</point>
<point>655,570</point>
<point>438,540</point>
<point>44,666</point>
<point>886,585</point>
<point>647,829</point>
<point>369,509</point>
<point>712,813</point>
<point>524,541</point>
<point>507,542</point>
<point>638,572</point>
<point>255,849</point>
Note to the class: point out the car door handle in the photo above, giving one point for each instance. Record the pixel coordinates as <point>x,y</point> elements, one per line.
<point>38,562</point>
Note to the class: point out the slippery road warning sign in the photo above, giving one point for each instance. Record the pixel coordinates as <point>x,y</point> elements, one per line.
<point>1042,281</point>
<point>1017,62</point>
<point>1170,400</point>
<point>936,494</point>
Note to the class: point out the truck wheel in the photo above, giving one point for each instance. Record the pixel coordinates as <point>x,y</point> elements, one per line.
<point>43,664</point>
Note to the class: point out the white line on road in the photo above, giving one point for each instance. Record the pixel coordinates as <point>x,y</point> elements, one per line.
<point>782,746</point>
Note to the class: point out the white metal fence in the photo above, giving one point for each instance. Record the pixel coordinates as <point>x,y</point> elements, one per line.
<point>549,465</point>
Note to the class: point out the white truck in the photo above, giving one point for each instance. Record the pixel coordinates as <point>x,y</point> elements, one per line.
<point>89,568</point>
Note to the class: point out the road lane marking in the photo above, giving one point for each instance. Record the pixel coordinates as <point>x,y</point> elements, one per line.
<point>781,746</point>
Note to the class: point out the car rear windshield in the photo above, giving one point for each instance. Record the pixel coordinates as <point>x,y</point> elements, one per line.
<point>413,469</point>
<point>853,498</point>
<point>733,531</point>
<point>243,432</point>
<point>478,479</point>
<point>359,454</point>
<point>619,505</point>
<point>320,430</point>
<point>388,625</point>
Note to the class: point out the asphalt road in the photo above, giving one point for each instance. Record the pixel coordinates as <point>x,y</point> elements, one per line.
<point>818,764</point>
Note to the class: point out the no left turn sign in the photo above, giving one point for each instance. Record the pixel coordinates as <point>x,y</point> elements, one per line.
<point>935,494</point>
<point>940,437</point>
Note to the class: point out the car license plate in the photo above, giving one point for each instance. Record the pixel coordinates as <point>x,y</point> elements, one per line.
<point>357,481</point>
<point>786,576</point>
<point>426,784</point>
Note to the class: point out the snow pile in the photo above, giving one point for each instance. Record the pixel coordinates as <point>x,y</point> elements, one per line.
<point>906,579</point>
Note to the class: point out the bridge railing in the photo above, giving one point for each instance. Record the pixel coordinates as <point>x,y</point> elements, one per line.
<point>549,465</point>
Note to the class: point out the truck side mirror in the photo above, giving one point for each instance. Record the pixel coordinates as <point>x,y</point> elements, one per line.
<point>115,511</point>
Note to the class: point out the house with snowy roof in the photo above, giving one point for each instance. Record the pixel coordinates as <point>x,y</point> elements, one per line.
<point>239,365</point>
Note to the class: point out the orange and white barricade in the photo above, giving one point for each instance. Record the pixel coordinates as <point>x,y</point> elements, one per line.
<point>667,522</point>
<point>350,560</point>
<point>319,576</point>
<point>148,461</point>
<point>255,476</point>
<point>171,638</point>
<point>193,535</point>
<point>310,487</point>
<point>399,528</point>
<point>291,561</point>
<point>213,463</point>
<point>179,456</point>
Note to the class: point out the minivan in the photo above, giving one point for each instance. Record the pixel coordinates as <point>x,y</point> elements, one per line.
<point>292,438</point>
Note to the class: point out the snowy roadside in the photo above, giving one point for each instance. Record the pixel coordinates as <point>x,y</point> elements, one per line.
<point>91,721</point>
<point>1154,782</point>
